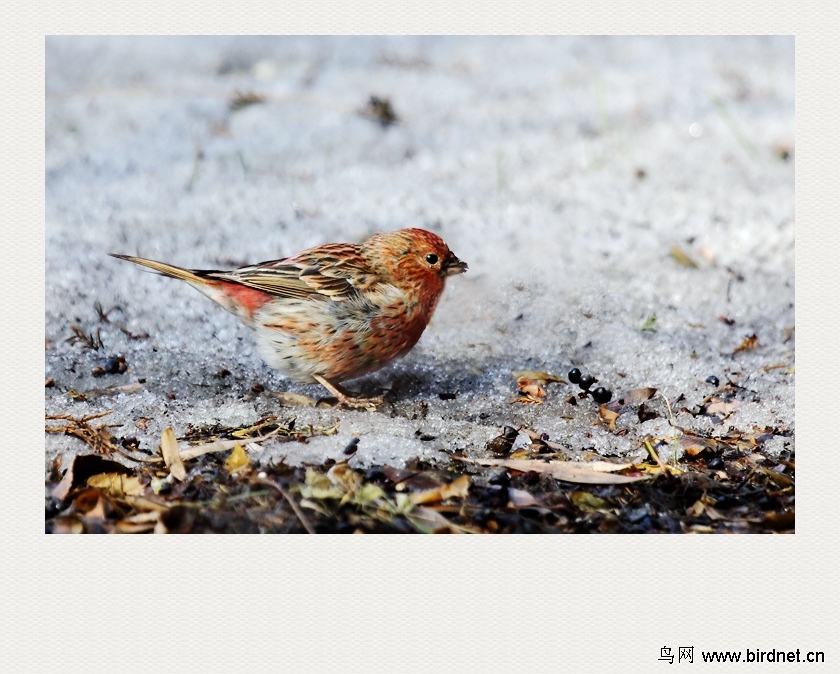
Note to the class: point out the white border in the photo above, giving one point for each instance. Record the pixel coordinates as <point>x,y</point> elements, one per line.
<point>410,603</point>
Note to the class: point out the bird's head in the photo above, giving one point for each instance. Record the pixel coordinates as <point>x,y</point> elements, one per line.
<point>412,257</point>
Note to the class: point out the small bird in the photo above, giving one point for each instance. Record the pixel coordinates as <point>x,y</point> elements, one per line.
<point>336,311</point>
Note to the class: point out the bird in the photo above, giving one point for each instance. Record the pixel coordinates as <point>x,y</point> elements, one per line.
<point>336,311</point>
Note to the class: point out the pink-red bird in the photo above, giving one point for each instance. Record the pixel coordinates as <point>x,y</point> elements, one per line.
<point>336,311</point>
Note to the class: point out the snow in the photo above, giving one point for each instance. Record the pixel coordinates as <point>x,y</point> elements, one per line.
<point>563,170</point>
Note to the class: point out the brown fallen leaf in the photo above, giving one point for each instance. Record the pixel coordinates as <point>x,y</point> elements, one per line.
<point>637,395</point>
<point>171,455</point>
<point>721,409</point>
<point>608,415</point>
<point>568,471</point>
<point>695,446</point>
<point>696,509</point>
<point>93,504</point>
<point>459,488</point>
<point>82,467</point>
<point>538,376</point>
<point>530,387</point>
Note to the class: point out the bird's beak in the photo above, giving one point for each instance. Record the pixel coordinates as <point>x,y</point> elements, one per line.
<point>453,266</point>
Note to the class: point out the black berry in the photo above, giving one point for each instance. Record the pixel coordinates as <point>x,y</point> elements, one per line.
<point>586,381</point>
<point>716,464</point>
<point>501,479</point>
<point>574,375</point>
<point>714,381</point>
<point>374,475</point>
<point>601,395</point>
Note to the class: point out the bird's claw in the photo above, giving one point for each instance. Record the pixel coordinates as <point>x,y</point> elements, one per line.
<point>368,404</point>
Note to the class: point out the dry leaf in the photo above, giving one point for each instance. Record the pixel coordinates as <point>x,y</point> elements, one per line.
<point>530,387</point>
<point>721,408</point>
<point>569,471</point>
<point>778,478</point>
<point>291,399</point>
<point>171,455</point>
<point>94,504</point>
<point>237,460</point>
<point>369,493</point>
<point>116,484</point>
<point>608,415</point>
<point>457,489</point>
<point>697,509</point>
<point>525,452</point>
<point>538,376</point>
<point>694,446</point>
<point>82,467</point>
<point>588,502</point>
<point>637,395</point>
<point>345,478</point>
<point>432,522</point>
<point>319,486</point>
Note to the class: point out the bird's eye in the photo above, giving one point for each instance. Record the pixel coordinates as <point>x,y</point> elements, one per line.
<point>431,258</point>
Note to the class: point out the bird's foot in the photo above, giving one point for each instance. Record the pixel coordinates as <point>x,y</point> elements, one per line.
<point>347,400</point>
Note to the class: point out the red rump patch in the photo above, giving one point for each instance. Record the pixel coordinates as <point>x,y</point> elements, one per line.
<point>249,299</point>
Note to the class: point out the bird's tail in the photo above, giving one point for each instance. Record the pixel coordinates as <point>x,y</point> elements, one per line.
<point>166,269</point>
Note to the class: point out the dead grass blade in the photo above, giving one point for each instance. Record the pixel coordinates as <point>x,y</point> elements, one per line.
<point>171,456</point>
<point>582,473</point>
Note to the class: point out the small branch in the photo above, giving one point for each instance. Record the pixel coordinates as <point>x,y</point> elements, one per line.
<point>286,495</point>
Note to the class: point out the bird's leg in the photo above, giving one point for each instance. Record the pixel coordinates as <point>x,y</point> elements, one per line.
<point>346,400</point>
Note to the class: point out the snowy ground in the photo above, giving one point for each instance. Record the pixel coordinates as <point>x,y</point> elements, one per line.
<point>563,170</point>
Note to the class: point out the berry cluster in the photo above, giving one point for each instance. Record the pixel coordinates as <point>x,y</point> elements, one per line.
<point>600,395</point>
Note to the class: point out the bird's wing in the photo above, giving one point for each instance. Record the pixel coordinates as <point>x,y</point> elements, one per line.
<point>332,271</point>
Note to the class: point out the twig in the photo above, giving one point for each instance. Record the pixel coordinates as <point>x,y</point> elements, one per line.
<point>222,445</point>
<point>89,341</point>
<point>286,495</point>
